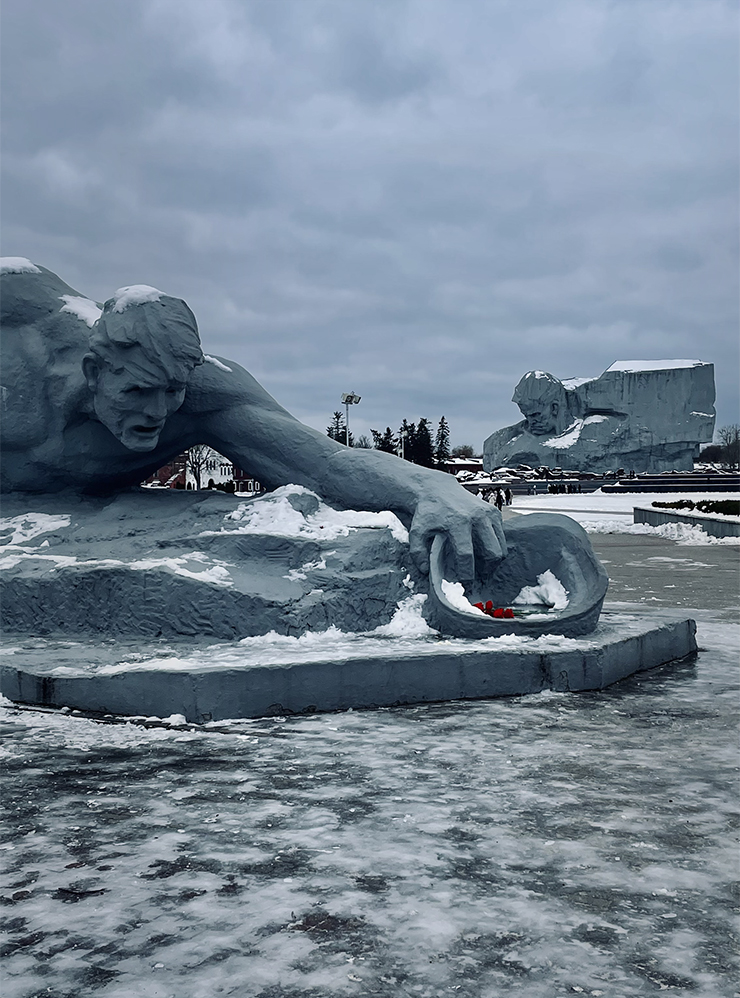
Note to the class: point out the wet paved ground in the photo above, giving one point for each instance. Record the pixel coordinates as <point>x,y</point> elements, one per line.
<point>549,845</point>
<point>658,572</point>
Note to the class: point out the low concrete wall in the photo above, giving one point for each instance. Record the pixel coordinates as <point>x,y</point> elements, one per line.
<point>445,671</point>
<point>710,523</point>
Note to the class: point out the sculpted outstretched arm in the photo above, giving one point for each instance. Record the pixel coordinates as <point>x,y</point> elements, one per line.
<point>252,430</point>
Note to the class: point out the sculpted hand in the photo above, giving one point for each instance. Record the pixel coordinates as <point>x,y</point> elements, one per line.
<point>473,529</point>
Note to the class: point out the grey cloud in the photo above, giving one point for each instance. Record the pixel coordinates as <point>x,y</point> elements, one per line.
<point>417,200</point>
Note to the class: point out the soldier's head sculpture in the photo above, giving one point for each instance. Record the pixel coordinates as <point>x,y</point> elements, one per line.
<point>143,349</point>
<point>543,402</point>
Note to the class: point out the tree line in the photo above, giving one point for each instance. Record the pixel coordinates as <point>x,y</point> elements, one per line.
<point>415,442</point>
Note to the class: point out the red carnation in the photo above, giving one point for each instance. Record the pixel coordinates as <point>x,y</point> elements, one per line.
<point>498,612</point>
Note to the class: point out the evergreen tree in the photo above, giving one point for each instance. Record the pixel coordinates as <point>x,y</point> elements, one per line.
<point>385,441</point>
<point>407,439</point>
<point>442,443</point>
<point>424,449</point>
<point>337,429</point>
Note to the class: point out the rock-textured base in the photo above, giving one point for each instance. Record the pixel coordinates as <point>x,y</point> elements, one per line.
<point>167,564</point>
<point>217,682</point>
<point>163,563</point>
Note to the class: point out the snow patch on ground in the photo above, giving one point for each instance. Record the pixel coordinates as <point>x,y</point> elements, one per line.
<point>83,308</point>
<point>406,634</point>
<point>274,515</point>
<point>134,294</point>
<point>611,513</point>
<point>682,533</point>
<point>549,591</point>
<point>407,622</point>
<point>17,265</point>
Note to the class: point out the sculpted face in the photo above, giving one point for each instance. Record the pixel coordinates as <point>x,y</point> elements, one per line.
<point>542,418</point>
<point>131,401</point>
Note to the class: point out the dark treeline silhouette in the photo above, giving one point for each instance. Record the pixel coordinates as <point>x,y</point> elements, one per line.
<point>412,441</point>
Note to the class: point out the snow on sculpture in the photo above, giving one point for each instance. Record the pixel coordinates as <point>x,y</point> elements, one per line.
<point>642,415</point>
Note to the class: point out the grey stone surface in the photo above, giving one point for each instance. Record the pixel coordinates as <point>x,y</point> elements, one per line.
<point>202,687</point>
<point>165,563</point>
<point>536,543</point>
<point>642,416</point>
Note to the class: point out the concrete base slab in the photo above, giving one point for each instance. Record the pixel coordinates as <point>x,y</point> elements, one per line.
<point>230,680</point>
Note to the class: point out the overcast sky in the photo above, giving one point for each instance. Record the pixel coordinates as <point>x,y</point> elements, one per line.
<point>416,200</point>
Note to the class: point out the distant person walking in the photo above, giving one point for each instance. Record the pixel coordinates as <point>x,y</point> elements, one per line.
<point>499,500</point>
<point>507,495</point>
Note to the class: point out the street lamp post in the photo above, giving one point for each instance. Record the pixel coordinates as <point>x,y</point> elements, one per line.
<point>349,398</point>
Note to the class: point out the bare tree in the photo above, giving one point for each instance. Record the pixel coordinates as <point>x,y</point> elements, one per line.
<point>197,461</point>
<point>729,437</point>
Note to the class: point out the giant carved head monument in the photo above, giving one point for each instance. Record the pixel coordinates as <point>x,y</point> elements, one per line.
<point>644,416</point>
<point>97,397</point>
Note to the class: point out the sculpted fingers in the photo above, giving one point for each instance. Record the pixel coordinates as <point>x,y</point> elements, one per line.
<point>489,543</point>
<point>496,523</point>
<point>419,547</point>
<point>462,543</point>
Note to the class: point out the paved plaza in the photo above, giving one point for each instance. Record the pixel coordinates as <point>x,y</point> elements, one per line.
<point>548,845</point>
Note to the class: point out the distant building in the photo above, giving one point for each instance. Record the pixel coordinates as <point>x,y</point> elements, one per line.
<point>216,471</point>
<point>453,465</point>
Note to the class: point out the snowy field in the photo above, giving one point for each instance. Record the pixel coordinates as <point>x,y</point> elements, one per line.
<point>603,513</point>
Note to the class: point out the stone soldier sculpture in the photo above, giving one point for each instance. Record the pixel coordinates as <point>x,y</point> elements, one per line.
<point>95,400</point>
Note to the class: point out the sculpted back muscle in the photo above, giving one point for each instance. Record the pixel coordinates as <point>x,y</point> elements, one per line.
<point>43,342</point>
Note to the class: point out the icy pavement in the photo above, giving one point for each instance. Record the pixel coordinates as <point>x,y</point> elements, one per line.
<point>545,846</point>
<point>538,845</point>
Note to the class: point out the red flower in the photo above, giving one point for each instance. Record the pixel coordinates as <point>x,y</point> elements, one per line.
<point>489,604</point>
<point>498,612</point>
<point>509,614</point>
<point>480,606</point>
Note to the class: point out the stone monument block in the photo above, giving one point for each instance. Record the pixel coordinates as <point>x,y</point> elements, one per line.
<point>643,416</point>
